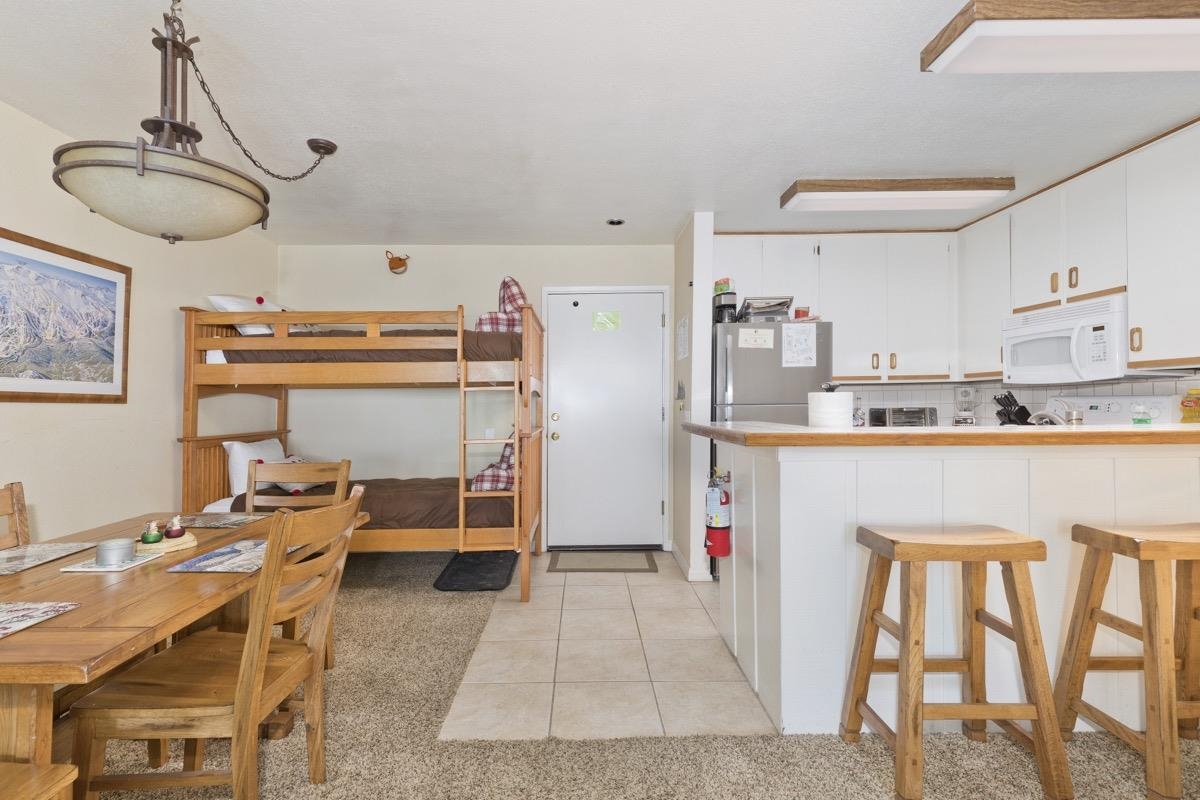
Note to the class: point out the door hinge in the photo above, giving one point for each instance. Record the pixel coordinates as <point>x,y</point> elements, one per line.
<point>664,508</point>
<point>818,250</point>
<point>664,320</point>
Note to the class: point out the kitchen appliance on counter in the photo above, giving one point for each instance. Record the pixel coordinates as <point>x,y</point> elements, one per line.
<point>724,307</point>
<point>913,417</point>
<point>764,371</point>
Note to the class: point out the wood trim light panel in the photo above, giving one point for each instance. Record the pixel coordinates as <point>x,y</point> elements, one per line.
<point>1057,36</point>
<point>905,194</point>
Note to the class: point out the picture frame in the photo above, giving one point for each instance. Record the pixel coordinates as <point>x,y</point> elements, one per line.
<point>64,324</point>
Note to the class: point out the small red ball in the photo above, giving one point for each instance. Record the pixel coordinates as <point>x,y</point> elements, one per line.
<point>259,300</point>
<point>259,461</point>
<point>297,492</point>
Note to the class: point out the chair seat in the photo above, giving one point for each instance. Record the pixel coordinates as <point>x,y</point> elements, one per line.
<point>35,781</point>
<point>1144,542</point>
<point>197,676</point>
<point>950,543</point>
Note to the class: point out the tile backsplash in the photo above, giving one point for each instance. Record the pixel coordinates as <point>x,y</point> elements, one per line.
<point>941,395</point>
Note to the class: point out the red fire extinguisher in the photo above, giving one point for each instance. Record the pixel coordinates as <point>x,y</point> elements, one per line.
<point>717,517</point>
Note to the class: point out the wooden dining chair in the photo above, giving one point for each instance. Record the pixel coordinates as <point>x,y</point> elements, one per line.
<point>292,472</point>
<point>216,684</point>
<point>12,507</point>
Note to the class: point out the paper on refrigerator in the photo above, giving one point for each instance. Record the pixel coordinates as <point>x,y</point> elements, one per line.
<point>799,345</point>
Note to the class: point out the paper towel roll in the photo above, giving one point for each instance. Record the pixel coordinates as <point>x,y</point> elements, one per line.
<point>830,409</point>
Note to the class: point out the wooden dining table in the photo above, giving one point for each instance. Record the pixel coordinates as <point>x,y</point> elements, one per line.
<point>120,616</point>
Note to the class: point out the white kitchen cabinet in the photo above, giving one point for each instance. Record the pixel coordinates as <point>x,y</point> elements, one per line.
<point>739,258</point>
<point>919,307</point>
<point>791,266</point>
<point>853,291</point>
<point>1094,221</point>
<point>983,296</point>
<point>1038,250</point>
<point>1164,251</point>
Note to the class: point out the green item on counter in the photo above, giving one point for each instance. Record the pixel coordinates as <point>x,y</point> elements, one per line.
<point>152,537</point>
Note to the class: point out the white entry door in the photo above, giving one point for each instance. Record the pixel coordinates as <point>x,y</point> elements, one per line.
<point>605,418</point>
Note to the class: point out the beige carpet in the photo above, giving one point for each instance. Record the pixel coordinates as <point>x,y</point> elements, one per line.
<point>403,648</point>
<point>601,561</point>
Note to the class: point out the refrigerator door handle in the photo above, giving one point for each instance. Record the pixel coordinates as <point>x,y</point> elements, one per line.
<point>728,369</point>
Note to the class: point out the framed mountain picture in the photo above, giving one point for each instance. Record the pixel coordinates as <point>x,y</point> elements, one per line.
<point>64,324</point>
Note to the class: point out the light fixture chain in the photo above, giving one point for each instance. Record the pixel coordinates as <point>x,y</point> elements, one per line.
<point>229,129</point>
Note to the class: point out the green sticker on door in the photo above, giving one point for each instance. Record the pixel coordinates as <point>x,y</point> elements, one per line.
<point>606,320</point>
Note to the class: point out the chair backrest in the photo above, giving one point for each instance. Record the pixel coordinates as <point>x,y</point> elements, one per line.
<point>289,588</point>
<point>12,506</point>
<point>296,472</point>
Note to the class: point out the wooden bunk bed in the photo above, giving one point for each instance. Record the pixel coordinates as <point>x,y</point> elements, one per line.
<point>445,360</point>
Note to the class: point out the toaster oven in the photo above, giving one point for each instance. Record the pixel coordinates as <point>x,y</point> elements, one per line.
<point>912,417</point>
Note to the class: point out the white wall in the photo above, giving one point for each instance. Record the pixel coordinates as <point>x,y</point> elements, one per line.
<point>84,464</point>
<point>690,454</point>
<point>405,433</point>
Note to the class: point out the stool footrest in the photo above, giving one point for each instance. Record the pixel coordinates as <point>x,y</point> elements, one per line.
<point>990,620</point>
<point>876,723</point>
<point>886,623</point>
<point>1018,734</point>
<point>995,711</point>
<point>1188,709</point>
<point>1135,739</point>
<point>1119,624</point>
<point>1122,664</point>
<point>892,665</point>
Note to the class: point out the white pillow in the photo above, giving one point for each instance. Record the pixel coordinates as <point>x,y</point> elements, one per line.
<point>235,302</point>
<point>240,456</point>
<point>295,488</point>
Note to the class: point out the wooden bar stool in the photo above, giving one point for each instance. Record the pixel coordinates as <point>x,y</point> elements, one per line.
<point>973,546</point>
<point>1169,635</point>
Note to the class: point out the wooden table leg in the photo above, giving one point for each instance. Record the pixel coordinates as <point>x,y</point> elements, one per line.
<point>1187,639</point>
<point>1163,780</point>
<point>910,716</point>
<point>26,722</point>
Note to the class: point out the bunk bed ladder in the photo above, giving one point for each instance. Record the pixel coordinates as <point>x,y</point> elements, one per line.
<point>465,493</point>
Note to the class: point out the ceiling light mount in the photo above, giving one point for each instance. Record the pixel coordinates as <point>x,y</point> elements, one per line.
<point>1019,36</point>
<point>892,194</point>
<point>164,187</point>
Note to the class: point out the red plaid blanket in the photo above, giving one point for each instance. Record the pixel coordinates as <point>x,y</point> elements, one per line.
<point>498,477</point>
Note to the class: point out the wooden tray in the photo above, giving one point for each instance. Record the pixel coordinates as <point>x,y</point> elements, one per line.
<point>185,542</point>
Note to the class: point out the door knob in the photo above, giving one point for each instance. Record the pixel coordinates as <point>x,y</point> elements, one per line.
<point>554,417</point>
<point>554,436</point>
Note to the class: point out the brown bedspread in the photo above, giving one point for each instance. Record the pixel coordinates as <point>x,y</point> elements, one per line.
<point>477,346</point>
<point>416,503</point>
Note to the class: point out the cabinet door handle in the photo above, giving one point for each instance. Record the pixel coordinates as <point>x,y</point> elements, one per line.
<point>1135,340</point>
<point>1073,278</point>
<point>891,361</point>
<point>1053,282</point>
<point>874,360</point>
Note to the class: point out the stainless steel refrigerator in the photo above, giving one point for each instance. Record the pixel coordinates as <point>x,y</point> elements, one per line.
<point>763,371</point>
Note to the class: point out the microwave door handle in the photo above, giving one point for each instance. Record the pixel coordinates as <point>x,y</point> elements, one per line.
<point>1075,364</point>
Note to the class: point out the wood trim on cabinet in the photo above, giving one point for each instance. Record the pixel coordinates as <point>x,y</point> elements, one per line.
<point>856,378</point>
<point>945,377</point>
<point>1079,298</point>
<point>852,185</point>
<point>827,232</point>
<point>977,376</point>
<point>1037,306</point>
<point>1051,9</point>
<point>1155,363</point>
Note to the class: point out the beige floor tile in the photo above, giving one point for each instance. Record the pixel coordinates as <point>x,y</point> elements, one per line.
<point>546,598</point>
<point>600,660</point>
<point>547,578</point>
<point>709,594</point>
<point>521,624</point>
<point>499,711</point>
<point>673,596</point>
<point>710,708</point>
<point>577,597</point>
<point>667,575</point>
<point>675,623</point>
<point>512,662</point>
<point>593,578</point>
<point>604,711</point>
<point>690,660</point>
<point>599,623</point>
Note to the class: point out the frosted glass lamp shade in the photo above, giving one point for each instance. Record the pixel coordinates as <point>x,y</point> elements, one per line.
<point>176,196</point>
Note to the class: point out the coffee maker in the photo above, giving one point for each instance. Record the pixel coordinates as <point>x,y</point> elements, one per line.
<point>724,307</point>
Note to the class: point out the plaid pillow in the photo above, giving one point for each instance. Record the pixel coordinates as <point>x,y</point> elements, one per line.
<point>494,478</point>
<point>512,296</point>
<point>507,456</point>
<point>499,322</point>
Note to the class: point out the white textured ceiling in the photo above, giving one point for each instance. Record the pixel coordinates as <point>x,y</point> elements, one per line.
<point>532,121</point>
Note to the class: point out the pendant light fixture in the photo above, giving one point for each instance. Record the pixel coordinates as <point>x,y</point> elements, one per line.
<point>164,187</point>
<point>905,194</point>
<point>1020,36</point>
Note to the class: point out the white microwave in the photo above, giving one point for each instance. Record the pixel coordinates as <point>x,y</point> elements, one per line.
<point>1070,343</point>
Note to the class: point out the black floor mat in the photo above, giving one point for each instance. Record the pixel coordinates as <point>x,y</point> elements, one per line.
<point>477,572</point>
